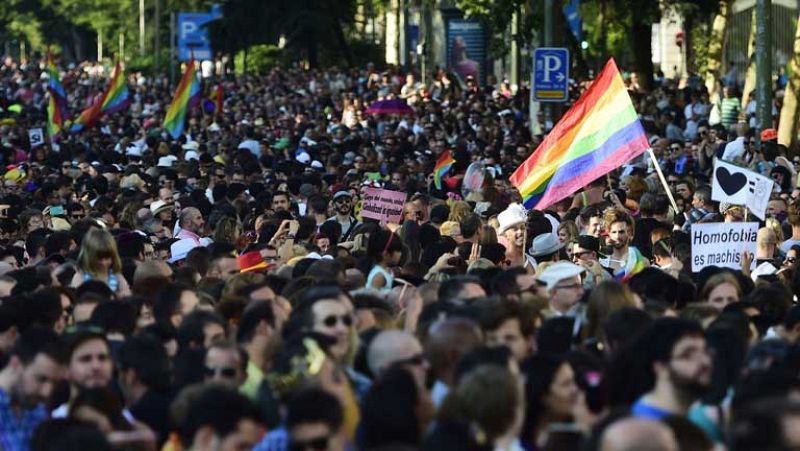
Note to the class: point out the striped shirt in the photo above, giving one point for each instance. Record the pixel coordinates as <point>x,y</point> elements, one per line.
<point>729,111</point>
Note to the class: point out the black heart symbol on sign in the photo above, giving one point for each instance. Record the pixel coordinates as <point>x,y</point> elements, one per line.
<point>731,183</point>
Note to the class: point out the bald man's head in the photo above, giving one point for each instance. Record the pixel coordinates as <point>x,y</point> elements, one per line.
<point>447,342</point>
<point>391,346</point>
<point>151,269</point>
<point>635,434</point>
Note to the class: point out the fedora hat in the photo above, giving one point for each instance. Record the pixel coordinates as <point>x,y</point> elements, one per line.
<point>544,244</point>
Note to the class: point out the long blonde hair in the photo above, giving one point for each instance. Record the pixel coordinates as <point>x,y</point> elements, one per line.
<point>459,210</point>
<point>96,243</point>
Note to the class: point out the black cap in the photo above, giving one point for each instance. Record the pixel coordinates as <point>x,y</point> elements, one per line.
<point>589,243</point>
<point>440,213</point>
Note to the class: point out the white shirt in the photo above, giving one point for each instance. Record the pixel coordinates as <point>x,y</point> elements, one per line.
<point>62,411</point>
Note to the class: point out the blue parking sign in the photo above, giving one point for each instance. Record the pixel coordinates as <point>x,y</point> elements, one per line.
<point>551,74</point>
<point>193,36</point>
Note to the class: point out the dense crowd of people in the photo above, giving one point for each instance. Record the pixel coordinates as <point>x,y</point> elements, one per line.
<point>224,291</point>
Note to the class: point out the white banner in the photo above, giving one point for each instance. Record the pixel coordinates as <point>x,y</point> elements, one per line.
<point>721,244</point>
<point>739,186</point>
<point>36,137</point>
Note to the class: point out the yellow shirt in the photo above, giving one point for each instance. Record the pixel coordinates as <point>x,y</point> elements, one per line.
<point>254,378</point>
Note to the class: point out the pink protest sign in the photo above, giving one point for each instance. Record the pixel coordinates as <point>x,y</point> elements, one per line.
<point>383,205</point>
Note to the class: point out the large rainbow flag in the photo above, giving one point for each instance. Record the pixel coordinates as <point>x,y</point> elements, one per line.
<point>116,98</point>
<point>186,96</point>
<point>57,104</point>
<point>597,135</point>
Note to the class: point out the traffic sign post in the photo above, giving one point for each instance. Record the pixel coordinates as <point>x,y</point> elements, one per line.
<point>193,34</point>
<point>551,74</point>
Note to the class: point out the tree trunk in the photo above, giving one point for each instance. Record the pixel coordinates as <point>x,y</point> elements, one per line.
<point>311,48</point>
<point>99,45</point>
<point>603,36</point>
<point>715,49</point>
<point>77,44</point>
<point>642,53</point>
<point>750,78</point>
<point>338,31</point>
<point>688,26</point>
<point>787,126</point>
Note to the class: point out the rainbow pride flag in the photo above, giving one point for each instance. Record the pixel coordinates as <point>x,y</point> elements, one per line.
<point>186,96</point>
<point>116,98</point>
<point>597,135</point>
<point>443,165</point>
<point>57,104</point>
<point>634,265</point>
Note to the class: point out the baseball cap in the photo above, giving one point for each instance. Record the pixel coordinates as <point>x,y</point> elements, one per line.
<point>342,193</point>
<point>303,157</point>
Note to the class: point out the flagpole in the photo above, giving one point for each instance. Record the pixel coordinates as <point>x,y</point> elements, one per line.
<point>663,180</point>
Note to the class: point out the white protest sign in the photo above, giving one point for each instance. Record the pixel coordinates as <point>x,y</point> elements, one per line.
<point>721,244</point>
<point>36,137</point>
<point>740,186</point>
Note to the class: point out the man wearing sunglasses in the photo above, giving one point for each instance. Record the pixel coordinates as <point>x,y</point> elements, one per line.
<point>225,363</point>
<point>314,420</point>
<point>343,204</point>
<point>564,288</point>
<point>396,347</point>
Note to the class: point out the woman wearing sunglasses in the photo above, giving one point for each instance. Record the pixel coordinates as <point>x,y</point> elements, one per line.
<point>99,260</point>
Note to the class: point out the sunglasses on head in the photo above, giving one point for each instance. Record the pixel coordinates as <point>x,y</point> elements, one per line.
<point>330,321</point>
<point>225,372</point>
<point>319,443</point>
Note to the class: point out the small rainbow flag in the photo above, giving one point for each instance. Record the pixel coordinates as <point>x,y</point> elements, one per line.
<point>634,265</point>
<point>57,104</point>
<point>116,98</point>
<point>443,165</point>
<point>186,96</point>
<point>597,135</point>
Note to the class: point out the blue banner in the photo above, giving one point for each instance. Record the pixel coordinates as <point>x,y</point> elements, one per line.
<point>466,49</point>
<point>572,12</point>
